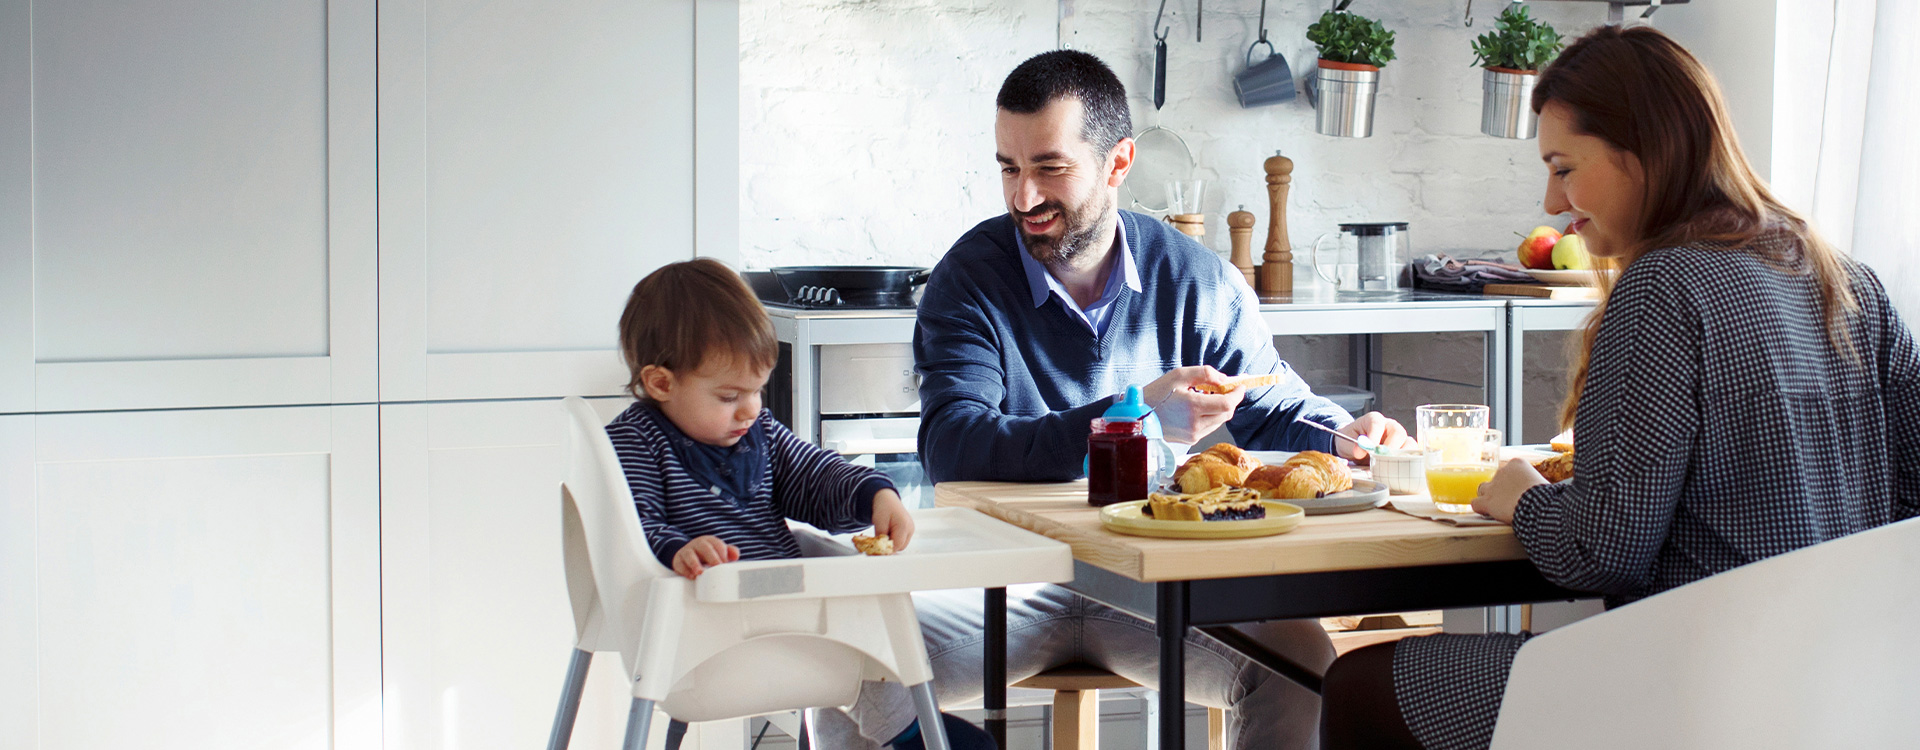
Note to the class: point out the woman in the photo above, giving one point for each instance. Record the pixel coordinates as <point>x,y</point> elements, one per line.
<point>1743,390</point>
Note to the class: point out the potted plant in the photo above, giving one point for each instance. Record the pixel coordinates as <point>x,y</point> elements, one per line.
<point>1352,49</point>
<point>1512,54</point>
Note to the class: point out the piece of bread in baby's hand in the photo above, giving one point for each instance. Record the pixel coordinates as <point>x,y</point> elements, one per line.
<point>875,545</point>
<point>1244,381</point>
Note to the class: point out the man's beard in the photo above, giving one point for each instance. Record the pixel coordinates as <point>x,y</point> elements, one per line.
<point>1080,226</point>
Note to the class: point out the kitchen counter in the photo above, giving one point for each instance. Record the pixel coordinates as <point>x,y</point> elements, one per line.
<point>1503,319</point>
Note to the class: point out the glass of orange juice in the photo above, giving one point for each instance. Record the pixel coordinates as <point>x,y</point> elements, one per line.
<point>1454,475</point>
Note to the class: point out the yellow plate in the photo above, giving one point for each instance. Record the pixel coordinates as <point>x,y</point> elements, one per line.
<point>1125,518</point>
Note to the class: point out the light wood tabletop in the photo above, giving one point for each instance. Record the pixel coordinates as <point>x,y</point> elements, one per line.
<point>1379,538</point>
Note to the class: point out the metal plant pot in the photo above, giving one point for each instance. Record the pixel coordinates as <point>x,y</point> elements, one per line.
<point>1344,100</point>
<point>1506,107</point>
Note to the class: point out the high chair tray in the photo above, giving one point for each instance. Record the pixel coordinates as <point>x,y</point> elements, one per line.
<point>952,548</point>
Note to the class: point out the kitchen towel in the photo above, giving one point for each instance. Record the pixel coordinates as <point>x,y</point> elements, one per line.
<point>1443,273</point>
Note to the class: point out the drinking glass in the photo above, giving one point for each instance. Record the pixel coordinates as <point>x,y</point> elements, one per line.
<point>1450,429</point>
<point>1454,479</point>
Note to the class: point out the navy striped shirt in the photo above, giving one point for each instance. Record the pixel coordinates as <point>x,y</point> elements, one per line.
<point>800,481</point>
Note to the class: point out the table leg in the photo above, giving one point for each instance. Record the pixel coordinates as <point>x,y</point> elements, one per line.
<point>995,662</point>
<point>1170,623</point>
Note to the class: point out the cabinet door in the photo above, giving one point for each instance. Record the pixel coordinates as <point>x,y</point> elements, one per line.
<point>537,159</point>
<point>190,579</point>
<point>187,200</point>
<point>475,620</point>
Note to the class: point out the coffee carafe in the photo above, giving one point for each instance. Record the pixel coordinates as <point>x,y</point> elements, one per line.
<point>1368,257</point>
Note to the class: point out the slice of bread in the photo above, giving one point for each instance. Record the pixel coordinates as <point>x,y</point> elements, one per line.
<point>874,545</point>
<point>1244,381</point>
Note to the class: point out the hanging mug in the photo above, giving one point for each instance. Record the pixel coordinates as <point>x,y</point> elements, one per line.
<point>1269,81</point>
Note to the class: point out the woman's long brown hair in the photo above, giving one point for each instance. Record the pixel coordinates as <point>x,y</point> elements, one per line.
<point>1643,93</point>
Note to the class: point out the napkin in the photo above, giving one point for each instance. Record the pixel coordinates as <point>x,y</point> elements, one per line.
<point>1419,506</point>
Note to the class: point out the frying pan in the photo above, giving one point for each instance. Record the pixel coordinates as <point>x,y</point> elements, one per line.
<point>853,285</point>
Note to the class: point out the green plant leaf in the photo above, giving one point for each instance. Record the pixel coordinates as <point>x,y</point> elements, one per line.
<point>1344,37</point>
<point>1517,41</point>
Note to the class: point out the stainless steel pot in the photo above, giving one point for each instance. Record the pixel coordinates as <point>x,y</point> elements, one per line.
<point>1506,104</point>
<point>1345,101</point>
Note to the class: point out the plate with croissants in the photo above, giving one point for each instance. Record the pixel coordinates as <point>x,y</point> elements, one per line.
<point>1320,483</point>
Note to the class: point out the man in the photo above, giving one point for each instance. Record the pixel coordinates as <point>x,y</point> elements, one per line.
<point>1030,327</point>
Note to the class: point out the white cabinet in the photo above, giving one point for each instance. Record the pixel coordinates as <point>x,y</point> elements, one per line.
<point>477,630</point>
<point>190,579</point>
<point>186,204</point>
<point>537,158</point>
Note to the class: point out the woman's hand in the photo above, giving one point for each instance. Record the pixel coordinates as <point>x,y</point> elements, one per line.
<point>890,518</point>
<point>1500,495</point>
<point>1383,431</point>
<point>702,553</point>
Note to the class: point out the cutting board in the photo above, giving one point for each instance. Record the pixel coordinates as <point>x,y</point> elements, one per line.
<point>1543,291</point>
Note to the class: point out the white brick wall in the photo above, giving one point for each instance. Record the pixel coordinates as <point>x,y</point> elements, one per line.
<point>866,125</point>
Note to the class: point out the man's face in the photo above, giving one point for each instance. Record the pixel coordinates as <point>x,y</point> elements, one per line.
<point>1059,188</point>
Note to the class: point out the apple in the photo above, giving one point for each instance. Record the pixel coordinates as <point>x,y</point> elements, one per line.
<point>1536,250</point>
<point>1570,253</point>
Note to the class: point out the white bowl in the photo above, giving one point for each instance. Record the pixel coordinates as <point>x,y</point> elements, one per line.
<point>1404,472</point>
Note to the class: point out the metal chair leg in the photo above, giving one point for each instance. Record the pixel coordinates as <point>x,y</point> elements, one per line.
<point>933,731</point>
<point>676,733</point>
<point>569,700</point>
<point>639,718</point>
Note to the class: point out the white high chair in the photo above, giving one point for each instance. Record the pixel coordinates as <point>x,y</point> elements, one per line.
<point>762,637</point>
<point>1815,648</point>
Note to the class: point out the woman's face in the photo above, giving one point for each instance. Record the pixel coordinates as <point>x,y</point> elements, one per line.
<point>1601,186</point>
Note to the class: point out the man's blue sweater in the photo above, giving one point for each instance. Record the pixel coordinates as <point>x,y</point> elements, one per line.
<point>1008,390</point>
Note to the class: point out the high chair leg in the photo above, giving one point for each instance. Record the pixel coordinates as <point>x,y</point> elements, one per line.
<point>933,731</point>
<point>639,717</point>
<point>569,700</point>
<point>677,733</point>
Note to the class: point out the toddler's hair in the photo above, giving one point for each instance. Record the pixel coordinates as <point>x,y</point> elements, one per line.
<point>684,312</point>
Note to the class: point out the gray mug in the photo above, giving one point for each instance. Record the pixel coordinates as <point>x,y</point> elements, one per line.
<point>1269,81</point>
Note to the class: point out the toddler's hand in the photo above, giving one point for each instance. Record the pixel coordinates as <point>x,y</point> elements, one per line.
<point>702,553</point>
<point>891,519</point>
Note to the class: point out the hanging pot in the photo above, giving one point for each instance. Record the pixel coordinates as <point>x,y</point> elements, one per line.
<point>1344,98</point>
<point>1506,104</point>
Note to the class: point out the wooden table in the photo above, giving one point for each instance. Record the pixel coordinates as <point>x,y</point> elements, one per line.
<point>1346,564</point>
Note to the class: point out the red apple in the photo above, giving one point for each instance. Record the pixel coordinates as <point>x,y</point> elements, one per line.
<point>1536,251</point>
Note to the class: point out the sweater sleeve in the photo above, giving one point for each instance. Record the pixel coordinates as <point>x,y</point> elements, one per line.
<point>816,486</point>
<point>1267,417</point>
<point>1638,422</point>
<point>964,435</point>
<point>642,468</point>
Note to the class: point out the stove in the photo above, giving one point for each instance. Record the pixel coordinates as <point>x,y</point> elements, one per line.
<point>767,287</point>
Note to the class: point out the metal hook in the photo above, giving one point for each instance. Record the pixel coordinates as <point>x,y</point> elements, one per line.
<point>1160,35</point>
<point>1469,14</point>
<point>1263,24</point>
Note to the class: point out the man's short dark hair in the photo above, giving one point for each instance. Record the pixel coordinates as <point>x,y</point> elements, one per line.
<point>1063,73</point>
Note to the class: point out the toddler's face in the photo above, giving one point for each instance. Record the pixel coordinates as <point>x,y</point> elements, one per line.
<point>715,404</point>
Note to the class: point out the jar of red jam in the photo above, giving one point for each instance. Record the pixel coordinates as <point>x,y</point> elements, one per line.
<point>1116,462</point>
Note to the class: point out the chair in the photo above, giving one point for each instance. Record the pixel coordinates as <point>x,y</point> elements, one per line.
<point>767,642</point>
<point>1814,648</point>
<point>1076,706</point>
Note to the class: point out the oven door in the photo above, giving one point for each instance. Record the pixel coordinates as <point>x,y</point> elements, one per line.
<point>890,444</point>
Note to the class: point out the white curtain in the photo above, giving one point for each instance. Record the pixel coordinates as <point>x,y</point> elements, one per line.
<point>1866,186</point>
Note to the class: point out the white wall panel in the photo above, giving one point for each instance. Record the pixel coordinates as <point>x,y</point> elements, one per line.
<point>187,182</point>
<point>537,159</point>
<point>208,579</point>
<point>476,623</point>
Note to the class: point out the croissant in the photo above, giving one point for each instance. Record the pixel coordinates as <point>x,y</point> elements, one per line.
<point>1234,455</point>
<point>1335,475</point>
<point>1207,471</point>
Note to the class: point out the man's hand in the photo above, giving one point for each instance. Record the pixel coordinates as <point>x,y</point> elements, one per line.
<point>1500,496</point>
<point>1386,432</point>
<point>890,518</point>
<point>702,553</point>
<point>1187,415</point>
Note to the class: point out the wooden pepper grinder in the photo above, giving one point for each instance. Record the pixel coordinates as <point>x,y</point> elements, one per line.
<point>1276,272</point>
<point>1240,227</point>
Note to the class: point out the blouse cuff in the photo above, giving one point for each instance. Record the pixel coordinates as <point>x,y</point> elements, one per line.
<point>1538,513</point>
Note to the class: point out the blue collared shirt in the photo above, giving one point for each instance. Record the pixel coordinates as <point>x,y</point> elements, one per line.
<point>1042,284</point>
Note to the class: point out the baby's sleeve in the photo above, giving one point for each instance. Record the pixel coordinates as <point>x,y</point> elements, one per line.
<point>816,486</point>
<point>644,478</point>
